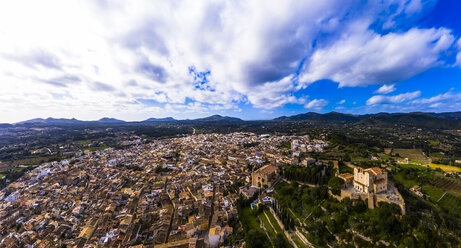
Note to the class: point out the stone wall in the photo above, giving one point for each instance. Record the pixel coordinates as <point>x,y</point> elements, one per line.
<point>373,201</point>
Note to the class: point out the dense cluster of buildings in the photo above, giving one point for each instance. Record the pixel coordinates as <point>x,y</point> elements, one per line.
<point>179,192</point>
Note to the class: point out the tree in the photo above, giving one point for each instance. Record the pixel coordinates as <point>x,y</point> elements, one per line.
<point>335,184</point>
<point>255,239</point>
<point>280,242</point>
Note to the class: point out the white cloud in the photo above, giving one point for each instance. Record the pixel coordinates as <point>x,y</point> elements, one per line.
<point>363,57</point>
<point>316,104</point>
<point>380,99</point>
<point>89,59</point>
<point>444,102</point>
<point>385,89</point>
<point>443,97</point>
<point>342,101</point>
<point>458,56</point>
<point>413,6</point>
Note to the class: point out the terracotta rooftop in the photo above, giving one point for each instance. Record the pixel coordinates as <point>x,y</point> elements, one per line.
<point>267,169</point>
<point>346,175</point>
<point>374,170</point>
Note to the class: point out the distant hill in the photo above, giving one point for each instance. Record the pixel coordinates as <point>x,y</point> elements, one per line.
<point>110,120</point>
<point>449,120</point>
<point>160,119</point>
<point>328,117</point>
<point>52,121</point>
<point>448,115</point>
<point>421,120</point>
<point>219,118</point>
<point>300,117</point>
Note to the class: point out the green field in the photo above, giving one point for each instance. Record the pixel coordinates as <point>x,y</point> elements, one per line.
<point>268,226</point>
<point>447,184</point>
<point>451,203</point>
<point>298,241</point>
<point>96,148</point>
<point>384,156</point>
<point>273,229</point>
<point>408,183</point>
<point>436,155</point>
<point>409,153</point>
<point>412,166</point>
<point>35,160</point>
<point>249,218</point>
<point>433,192</point>
<point>273,221</point>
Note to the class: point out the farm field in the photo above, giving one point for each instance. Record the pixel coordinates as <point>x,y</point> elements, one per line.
<point>412,166</point>
<point>268,226</point>
<point>451,203</point>
<point>446,184</point>
<point>408,183</point>
<point>96,148</point>
<point>384,156</point>
<point>409,153</point>
<point>433,192</point>
<point>447,168</point>
<point>298,241</point>
<point>35,160</point>
<point>271,225</point>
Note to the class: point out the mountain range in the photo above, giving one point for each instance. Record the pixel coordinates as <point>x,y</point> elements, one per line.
<point>107,120</point>
<point>425,119</point>
<point>341,117</point>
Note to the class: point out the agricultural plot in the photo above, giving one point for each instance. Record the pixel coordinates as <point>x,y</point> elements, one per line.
<point>408,183</point>
<point>433,192</point>
<point>451,203</point>
<point>384,156</point>
<point>447,168</point>
<point>35,160</point>
<point>271,225</point>
<point>412,166</point>
<point>409,153</point>
<point>447,184</point>
<point>268,225</point>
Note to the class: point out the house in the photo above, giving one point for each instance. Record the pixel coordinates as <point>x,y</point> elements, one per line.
<point>248,192</point>
<point>13,196</point>
<point>308,161</point>
<point>214,236</point>
<point>266,175</point>
<point>372,180</point>
<point>417,190</point>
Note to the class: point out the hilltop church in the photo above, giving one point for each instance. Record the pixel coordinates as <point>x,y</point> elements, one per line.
<point>372,180</point>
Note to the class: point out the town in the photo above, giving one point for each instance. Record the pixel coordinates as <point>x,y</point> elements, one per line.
<point>169,193</point>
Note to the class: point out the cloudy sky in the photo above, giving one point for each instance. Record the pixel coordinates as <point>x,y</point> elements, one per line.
<point>254,59</point>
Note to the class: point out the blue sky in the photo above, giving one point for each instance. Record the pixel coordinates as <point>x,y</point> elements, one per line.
<point>250,59</point>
